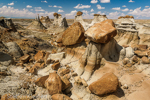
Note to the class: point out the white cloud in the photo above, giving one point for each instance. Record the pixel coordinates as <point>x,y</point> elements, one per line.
<point>105,1</point>
<point>80,6</point>
<point>92,10</point>
<point>44,1</point>
<point>146,6</point>
<point>100,7</point>
<point>60,10</point>
<point>11,4</point>
<point>113,15</point>
<point>39,9</point>
<point>28,6</point>
<point>140,13</point>
<point>126,9</point>
<point>57,6</point>
<point>124,6</point>
<point>21,13</point>
<point>50,6</point>
<point>116,8</point>
<point>99,12</point>
<point>131,9</point>
<point>131,1</point>
<point>94,1</point>
<point>71,14</point>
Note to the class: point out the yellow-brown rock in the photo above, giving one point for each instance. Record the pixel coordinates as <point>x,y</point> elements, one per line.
<point>56,65</point>
<point>79,13</point>
<point>41,81</point>
<point>63,71</point>
<point>60,97</point>
<point>53,83</point>
<point>105,85</point>
<point>25,58</point>
<point>65,83</point>
<point>39,55</point>
<point>7,97</point>
<point>102,32</point>
<point>74,34</point>
<point>145,60</point>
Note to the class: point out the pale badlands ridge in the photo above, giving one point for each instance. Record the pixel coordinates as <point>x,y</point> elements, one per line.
<point>51,60</point>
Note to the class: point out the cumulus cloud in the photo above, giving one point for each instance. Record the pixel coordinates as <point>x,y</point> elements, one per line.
<point>113,15</point>
<point>140,13</point>
<point>57,6</point>
<point>50,6</point>
<point>99,12</point>
<point>126,9</point>
<point>146,6</point>
<point>11,4</point>
<point>116,8</point>
<point>23,13</point>
<point>92,10</point>
<point>80,6</point>
<point>131,1</point>
<point>105,1</point>
<point>124,6</point>
<point>94,1</point>
<point>39,9</point>
<point>71,14</point>
<point>131,9</point>
<point>44,1</point>
<point>28,6</point>
<point>100,7</point>
<point>60,10</point>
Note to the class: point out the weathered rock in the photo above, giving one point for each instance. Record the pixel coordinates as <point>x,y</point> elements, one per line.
<point>60,97</point>
<point>129,52</point>
<point>5,59</point>
<point>145,60</point>
<point>7,97</point>
<point>102,32</point>
<point>63,71</point>
<point>14,49</point>
<point>57,56</point>
<point>125,61</point>
<point>79,13</point>
<point>140,53</point>
<point>65,83</point>
<point>56,65</point>
<point>39,55</point>
<point>33,70</point>
<point>135,59</point>
<point>73,35</point>
<point>53,84</point>
<point>105,85</point>
<point>41,81</point>
<point>25,58</point>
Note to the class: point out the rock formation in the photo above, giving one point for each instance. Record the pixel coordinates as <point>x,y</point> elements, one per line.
<point>73,35</point>
<point>46,21</point>
<point>36,25</point>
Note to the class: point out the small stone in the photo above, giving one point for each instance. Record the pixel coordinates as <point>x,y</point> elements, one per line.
<point>145,60</point>
<point>25,58</point>
<point>125,61</point>
<point>63,71</point>
<point>74,74</point>
<point>65,83</point>
<point>135,59</point>
<point>41,81</point>
<point>56,65</point>
<point>125,86</point>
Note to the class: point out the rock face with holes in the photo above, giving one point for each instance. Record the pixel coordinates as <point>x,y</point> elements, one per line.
<point>73,35</point>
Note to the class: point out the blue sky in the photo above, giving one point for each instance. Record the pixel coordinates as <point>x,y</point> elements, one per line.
<point>140,9</point>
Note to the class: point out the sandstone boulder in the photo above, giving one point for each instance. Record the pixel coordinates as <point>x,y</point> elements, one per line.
<point>63,71</point>
<point>102,32</point>
<point>53,83</point>
<point>39,55</point>
<point>56,65</point>
<point>60,97</point>
<point>25,58</point>
<point>41,81</point>
<point>79,13</point>
<point>105,85</point>
<point>73,35</point>
<point>145,60</point>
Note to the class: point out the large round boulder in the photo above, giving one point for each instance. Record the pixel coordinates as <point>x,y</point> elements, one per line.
<point>74,34</point>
